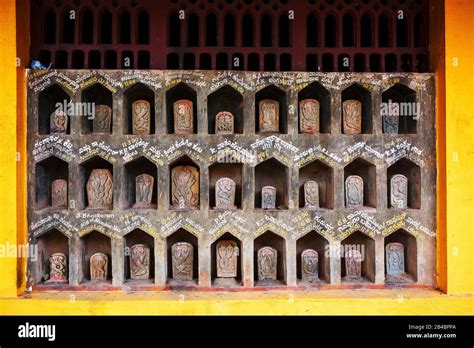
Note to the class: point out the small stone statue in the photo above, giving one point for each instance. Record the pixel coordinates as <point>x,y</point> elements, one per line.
<point>58,268</point>
<point>353,265</point>
<point>139,262</point>
<point>269,116</point>
<point>98,268</point>
<point>182,261</point>
<point>102,119</point>
<point>311,194</point>
<point>100,189</point>
<point>143,191</point>
<point>183,117</point>
<point>354,192</point>
<point>185,187</point>
<point>59,193</point>
<point>59,122</point>
<point>309,116</point>
<point>352,116</point>
<point>267,263</point>
<point>225,194</point>
<point>227,252</point>
<point>141,117</point>
<point>390,124</point>
<point>399,191</point>
<point>309,265</point>
<point>395,259</point>
<point>224,123</point>
<point>268,197</point>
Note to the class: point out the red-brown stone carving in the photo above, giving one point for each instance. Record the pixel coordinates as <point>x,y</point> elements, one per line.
<point>309,265</point>
<point>59,193</point>
<point>268,197</point>
<point>183,117</point>
<point>267,263</point>
<point>143,191</point>
<point>102,119</point>
<point>182,261</point>
<point>98,267</point>
<point>354,191</point>
<point>59,122</point>
<point>225,194</point>
<point>224,123</point>
<point>311,194</point>
<point>227,252</point>
<point>139,262</point>
<point>352,116</point>
<point>309,116</point>
<point>185,187</point>
<point>141,117</point>
<point>399,191</point>
<point>269,116</point>
<point>100,189</point>
<point>58,268</point>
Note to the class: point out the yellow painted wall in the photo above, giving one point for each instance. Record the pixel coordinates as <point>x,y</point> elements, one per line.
<point>453,38</point>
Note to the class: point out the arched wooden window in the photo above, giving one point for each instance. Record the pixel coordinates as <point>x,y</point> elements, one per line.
<point>87,27</point>
<point>284,31</point>
<point>49,27</point>
<point>330,31</point>
<point>143,28</point>
<point>348,30</point>
<point>402,31</point>
<point>211,30</point>
<point>384,31</point>
<point>266,31</point>
<point>105,25</point>
<point>229,30</point>
<point>247,30</point>
<point>125,27</point>
<point>312,31</point>
<point>174,30</point>
<point>366,30</point>
<point>193,30</point>
<point>419,28</point>
<point>68,29</point>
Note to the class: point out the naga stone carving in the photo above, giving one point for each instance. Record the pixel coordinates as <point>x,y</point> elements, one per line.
<point>100,189</point>
<point>268,197</point>
<point>352,116</point>
<point>185,187</point>
<point>269,115</point>
<point>353,265</point>
<point>390,124</point>
<point>311,194</point>
<point>354,191</point>
<point>227,252</point>
<point>99,264</point>
<point>182,261</point>
<point>102,119</point>
<point>59,193</point>
<point>139,262</point>
<point>395,259</point>
<point>225,194</point>
<point>267,263</point>
<point>143,191</point>
<point>309,116</point>
<point>309,265</point>
<point>399,191</point>
<point>141,117</point>
<point>224,123</point>
<point>183,117</point>
<point>58,268</point>
<point>59,121</point>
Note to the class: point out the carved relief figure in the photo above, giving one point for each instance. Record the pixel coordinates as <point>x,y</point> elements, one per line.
<point>390,124</point>
<point>141,117</point>
<point>352,116</point>
<point>183,117</point>
<point>227,252</point>
<point>268,197</point>
<point>354,191</point>
<point>99,264</point>
<point>353,265</point>
<point>311,194</point>
<point>395,259</point>
<point>59,193</point>
<point>143,191</point>
<point>267,263</point>
<point>139,262</point>
<point>185,187</point>
<point>100,189</point>
<point>399,191</point>
<point>269,115</point>
<point>58,121</point>
<point>224,123</point>
<point>309,116</point>
<point>309,265</point>
<point>58,268</point>
<point>182,261</point>
<point>102,119</point>
<point>225,193</point>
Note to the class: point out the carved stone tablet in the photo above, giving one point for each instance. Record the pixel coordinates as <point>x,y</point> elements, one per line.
<point>183,117</point>
<point>225,193</point>
<point>395,259</point>
<point>224,123</point>
<point>352,116</point>
<point>143,191</point>
<point>182,261</point>
<point>353,265</point>
<point>309,116</point>
<point>354,191</point>
<point>58,268</point>
<point>399,191</point>
<point>185,187</point>
<point>311,194</point>
<point>99,264</point>
<point>390,124</point>
<point>59,121</point>
<point>226,258</point>
<point>141,117</point>
<point>309,265</point>
<point>269,116</point>
<point>268,197</point>
<point>102,119</point>
<point>59,193</point>
<point>267,263</point>
<point>100,189</point>
<point>139,261</point>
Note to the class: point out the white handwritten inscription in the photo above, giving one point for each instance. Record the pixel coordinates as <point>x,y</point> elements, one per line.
<point>53,145</point>
<point>54,221</point>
